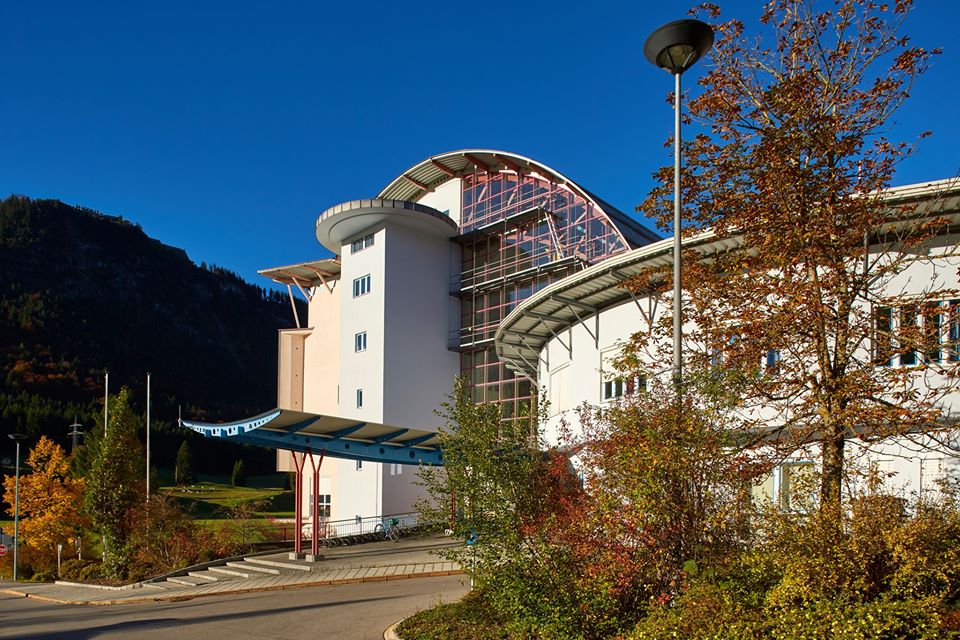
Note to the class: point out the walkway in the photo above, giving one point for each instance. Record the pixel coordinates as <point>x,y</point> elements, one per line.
<point>372,562</point>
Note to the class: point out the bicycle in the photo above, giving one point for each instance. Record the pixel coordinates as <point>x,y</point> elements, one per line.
<point>392,531</point>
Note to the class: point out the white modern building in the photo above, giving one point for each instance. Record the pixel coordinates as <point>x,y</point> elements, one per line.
<point>478,263</point>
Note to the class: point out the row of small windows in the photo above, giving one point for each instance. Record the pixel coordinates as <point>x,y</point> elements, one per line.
<point>620,387</point>
<point>912,334</point>
<point>361,286</point>
<point>361,244</point>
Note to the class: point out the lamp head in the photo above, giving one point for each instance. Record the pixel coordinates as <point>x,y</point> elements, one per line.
<point>677,45</point>
<point>17,437</point>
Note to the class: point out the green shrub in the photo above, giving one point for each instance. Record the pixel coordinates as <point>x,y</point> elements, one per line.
<point>72,570</point>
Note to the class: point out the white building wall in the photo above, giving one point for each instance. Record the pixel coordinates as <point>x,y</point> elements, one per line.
<point>418,369</point>
<point>446,198</point>
<point>571,373</point>
<point>363,370</point>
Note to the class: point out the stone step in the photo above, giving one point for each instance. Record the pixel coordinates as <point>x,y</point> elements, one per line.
<point>234,572</point>
<point>204,575</point>
<point>186,581</point>
<point>249,566</point>
<point>279,564</point>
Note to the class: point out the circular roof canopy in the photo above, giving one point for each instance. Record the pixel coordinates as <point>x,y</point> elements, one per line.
<point>340,223</point>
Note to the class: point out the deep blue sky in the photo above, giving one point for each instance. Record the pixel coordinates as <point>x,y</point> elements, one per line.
<point>225,128</point>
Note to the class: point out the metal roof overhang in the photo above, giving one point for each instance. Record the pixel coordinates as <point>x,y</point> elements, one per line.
<point>523,334</point>
<point>338,437</point>
<point>311,273</point>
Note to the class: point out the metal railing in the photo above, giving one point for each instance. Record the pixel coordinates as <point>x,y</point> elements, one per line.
<point>341,532</point>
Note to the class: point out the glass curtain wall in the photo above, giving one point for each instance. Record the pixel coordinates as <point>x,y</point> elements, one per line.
<point>518,234</point>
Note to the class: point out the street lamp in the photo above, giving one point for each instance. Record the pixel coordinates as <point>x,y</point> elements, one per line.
<point>676,46</point>
<point>18,438</point>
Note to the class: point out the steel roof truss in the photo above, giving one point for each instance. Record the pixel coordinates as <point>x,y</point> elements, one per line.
<point>573,303</point>
<point>389,436</point>
<point>522,371</point>
<point>352,449</point>
<point>347,431</point>
<point>444,168</point>
<point>412,442</point>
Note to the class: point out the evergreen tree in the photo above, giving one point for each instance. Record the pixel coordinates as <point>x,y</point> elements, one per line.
<point>239,476</point>
<point>116,482</point>
<point>183,471</point>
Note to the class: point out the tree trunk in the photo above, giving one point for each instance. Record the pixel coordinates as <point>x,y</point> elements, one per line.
<point>832,474</point>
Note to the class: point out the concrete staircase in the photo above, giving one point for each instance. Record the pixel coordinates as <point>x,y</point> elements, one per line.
<point>248,568</point>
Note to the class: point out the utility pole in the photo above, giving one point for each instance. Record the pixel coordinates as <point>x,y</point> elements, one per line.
<point>106,399</point>
<point>148,436</point>
<point>75,433</point>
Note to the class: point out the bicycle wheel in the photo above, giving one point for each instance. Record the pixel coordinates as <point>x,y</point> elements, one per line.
<point>379,532</point>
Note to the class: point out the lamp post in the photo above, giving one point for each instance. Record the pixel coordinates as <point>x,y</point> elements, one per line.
<point>676,46</point>
<point>18,438</point>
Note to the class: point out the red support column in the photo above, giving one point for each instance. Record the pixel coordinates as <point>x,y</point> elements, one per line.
<point>315,537</point>
<point>298,503</point>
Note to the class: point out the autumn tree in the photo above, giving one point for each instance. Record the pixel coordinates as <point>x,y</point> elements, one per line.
<point>116,481</point>
<point>50,500</point>
<point>822,283</point>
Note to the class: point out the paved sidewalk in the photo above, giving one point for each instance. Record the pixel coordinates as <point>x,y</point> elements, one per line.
<point>377,561</point>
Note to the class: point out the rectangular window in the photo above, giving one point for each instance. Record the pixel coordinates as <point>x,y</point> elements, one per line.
<point>797,488</point>
<point>953,333</point>
<point>773,360</point>
<point>359,465</point>
<point>907,335</point>
<point>359,398</point>
<point>883,336</point>
<point>361,286</point>
<point>360,341</point>
<point>323,506</point>
<point>361,244</point>
<point>932,325</point>
<point>620,387</point>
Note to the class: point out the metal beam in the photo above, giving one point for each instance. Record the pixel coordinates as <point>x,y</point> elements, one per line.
<point>346,449</point>
<point>447,170</point>
<point>297,426</point>
<point>416,183</point>
<point>412,442</point>
<point>510,164</point>
<point>390,436</point>
<point>573,303</point>
<point>345,432</point>
<point>478,163</point>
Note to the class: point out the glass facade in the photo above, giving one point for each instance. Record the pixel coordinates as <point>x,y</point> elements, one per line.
<point>518,235</point>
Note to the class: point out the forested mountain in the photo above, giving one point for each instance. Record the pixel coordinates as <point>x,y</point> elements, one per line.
<point>82,292</point>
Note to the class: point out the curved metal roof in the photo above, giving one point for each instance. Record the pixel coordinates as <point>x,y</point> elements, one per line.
<point>338,437</point>
<point>523,334</point>
<point>429,174</point>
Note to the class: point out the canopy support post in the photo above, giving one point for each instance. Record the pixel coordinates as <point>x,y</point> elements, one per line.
<point>298,463</point>
<point>315,532</point>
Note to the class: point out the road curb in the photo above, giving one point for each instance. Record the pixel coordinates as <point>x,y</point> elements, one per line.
<point>282,587</point>
<point>391,632</point>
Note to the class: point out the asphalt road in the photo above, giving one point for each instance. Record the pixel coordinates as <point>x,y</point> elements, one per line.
<point>348,612</point>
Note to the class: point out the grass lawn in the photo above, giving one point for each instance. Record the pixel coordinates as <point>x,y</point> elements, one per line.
<point>469,619</point>
<point>206,499</point>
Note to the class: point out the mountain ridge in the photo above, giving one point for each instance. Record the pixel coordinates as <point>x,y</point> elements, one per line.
<point>82,292</point>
